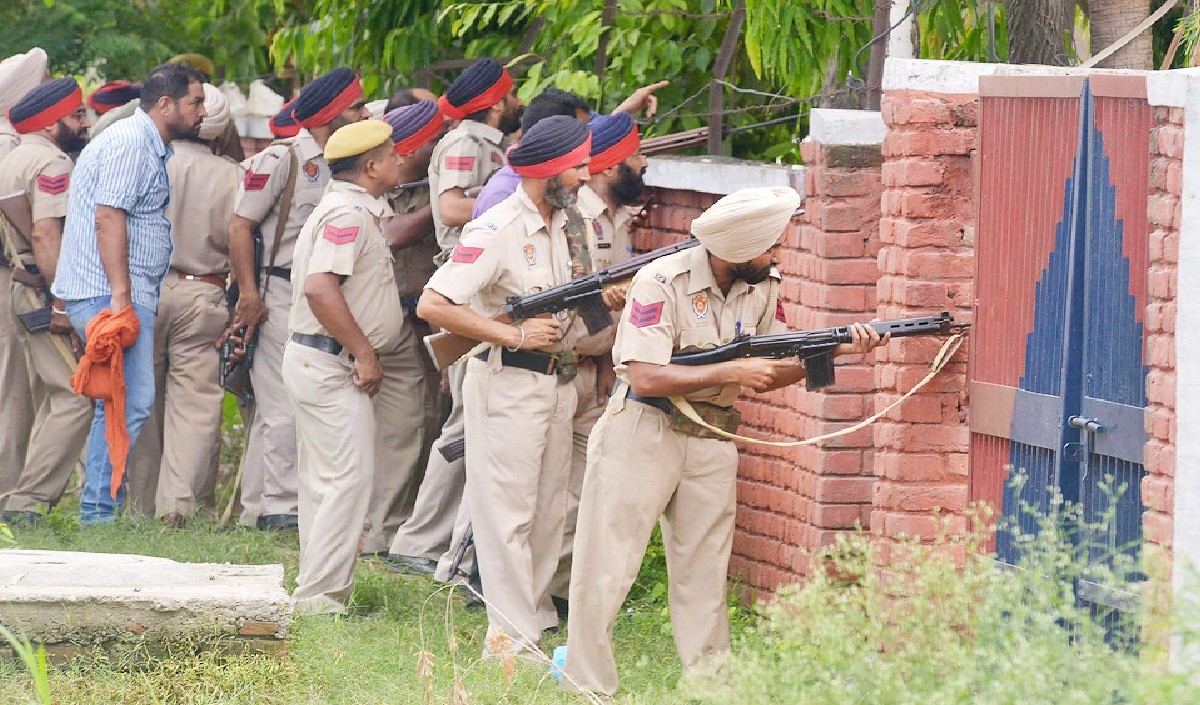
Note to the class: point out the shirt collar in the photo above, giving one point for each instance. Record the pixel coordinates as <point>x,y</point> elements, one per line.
<point>487,132</point>
<point>147,125</point>
<point>307,148</point>
<point>590,202</point>
<point>377,207</point>
<point>531,216</point>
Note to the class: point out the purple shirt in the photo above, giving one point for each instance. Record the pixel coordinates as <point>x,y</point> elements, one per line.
<point>503,184</point>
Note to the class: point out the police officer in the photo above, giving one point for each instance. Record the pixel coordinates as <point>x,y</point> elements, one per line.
<point>344,310</point>
<point>400,405</point>
<point>646,461</point>
<point>328,103</point>
<point>517,396</point>
<point>177,451</point>
<point>52,121</point>
<point>483,99</point>
<point>606,202</point>
<point>18,75</point>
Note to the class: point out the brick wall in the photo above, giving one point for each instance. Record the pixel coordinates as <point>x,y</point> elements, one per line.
<point>1164,210</point>
<point>926,264</point>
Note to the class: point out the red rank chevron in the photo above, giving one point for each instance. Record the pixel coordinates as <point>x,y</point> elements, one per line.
<point>53,185</point>
<point>460,163</point>
<point>465,255</point>
<point>642,315</point>
<point>254,181</point>
<point>340,236</point>
<point>779,313</point>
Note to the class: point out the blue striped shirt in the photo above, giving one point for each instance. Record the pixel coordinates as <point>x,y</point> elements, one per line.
<point>125,168</point>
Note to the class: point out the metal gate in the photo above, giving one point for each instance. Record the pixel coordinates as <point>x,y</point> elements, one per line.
<point>1057,379</point>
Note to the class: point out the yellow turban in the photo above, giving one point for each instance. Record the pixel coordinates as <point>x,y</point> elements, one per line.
<point>746,223</point>
<point>200,62</point>
<point>357,138</point>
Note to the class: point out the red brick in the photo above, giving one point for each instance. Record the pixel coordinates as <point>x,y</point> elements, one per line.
<point>1170,141</point>
<point>1160,388</point>
<point>928,205</point>
<point>935,264</point>
<point>919,172</point>
<point>912,467</point>
<point>921,497</point>
<point>1158,493</point>
<point>927,233</point>
<point>929,142</point>
<point>843,490</point>
<point>842,182</point>
<point>848,271</point>
<point>837,245</point>
<point>1158,528</point>
<point>1162,210</point>
<point>837,516</point>
<point>919,408</point>
<point>918,526</point>
<point>921,109</point>
<point>1160,351</point>
<point>839,218</point>
<point>921,438</point>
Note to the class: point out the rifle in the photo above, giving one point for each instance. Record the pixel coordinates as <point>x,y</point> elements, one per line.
<point>582,294</point>
<point>815,347</point>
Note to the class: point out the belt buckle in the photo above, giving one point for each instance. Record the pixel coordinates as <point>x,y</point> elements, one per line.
<point>566,364</point>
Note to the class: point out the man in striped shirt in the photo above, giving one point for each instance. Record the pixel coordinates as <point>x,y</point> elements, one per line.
<point>116,247</point>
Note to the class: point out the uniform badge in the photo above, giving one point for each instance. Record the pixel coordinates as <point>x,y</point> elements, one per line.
<point>460,163</point>
<point>340,236</point>
<point>311,170</point>
<point>642,315</point>
<point>254,181</point>
<point>530,253</point>
<point>700,305</point>
<point>601,241</point>
<point>660,278</point>
<point>465,255</point>
<point>53,185</point>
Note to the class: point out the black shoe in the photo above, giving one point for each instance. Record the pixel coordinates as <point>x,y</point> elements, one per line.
<point>373,555</point>
<point>15,518</point>
<point>561,606</point>
<point>411,565</point>
<point>278,522</point>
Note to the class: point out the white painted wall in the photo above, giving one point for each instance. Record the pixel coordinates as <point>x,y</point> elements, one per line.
<point>720,175</point>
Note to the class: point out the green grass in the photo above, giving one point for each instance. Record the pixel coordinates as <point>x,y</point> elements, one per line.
<point>368,658</point>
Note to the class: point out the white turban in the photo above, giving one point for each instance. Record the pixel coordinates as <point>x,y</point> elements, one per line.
<point>217,107</point>
<point>746,223</point>
<point>20,74</point>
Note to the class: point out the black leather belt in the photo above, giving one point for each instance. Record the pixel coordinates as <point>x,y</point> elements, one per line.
<point>532,361</point>
<point>281,272</point>
<point>663,404</point>
<point>318,342</point>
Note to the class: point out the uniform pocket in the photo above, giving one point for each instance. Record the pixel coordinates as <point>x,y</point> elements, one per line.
<point>536,280</point>
<point>698,337</point>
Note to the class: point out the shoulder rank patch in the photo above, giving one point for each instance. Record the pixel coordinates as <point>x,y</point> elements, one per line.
<point>53,185</point>
<point>465,255</point>
<point>254,181</point>
<point>460,163</point>
<point>340,236</point>
<point>642,315</point>
<point>780,315</point>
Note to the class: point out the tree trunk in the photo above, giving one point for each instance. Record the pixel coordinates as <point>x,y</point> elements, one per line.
<point>1112,19</point>
<point>1038,30</point>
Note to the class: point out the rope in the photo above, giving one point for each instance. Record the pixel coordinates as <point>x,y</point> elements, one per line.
<point>939,362</point>
<point>1133,33</point>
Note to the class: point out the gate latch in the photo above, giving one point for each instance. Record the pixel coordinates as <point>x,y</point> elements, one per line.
<point>1079,452</point>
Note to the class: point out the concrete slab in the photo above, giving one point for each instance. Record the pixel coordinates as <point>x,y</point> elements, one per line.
<point>59,597</point>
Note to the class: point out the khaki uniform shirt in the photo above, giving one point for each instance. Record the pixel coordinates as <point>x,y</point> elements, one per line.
<point>414,265</point>
<point>259,196</point>
<point>344,236</point>
<point>464,158</point>
<point>43,171</point>
<point>204,188</point>
<point>609,243</point>
<point>9,139</point>
<point>509,252</point>
<point>675,305</point>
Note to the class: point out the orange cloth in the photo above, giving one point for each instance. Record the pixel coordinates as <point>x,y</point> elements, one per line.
<point>101,375</point>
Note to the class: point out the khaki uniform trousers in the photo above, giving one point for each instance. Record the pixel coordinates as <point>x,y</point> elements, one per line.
<point>587,413</point>
<point>519,427</point>
<point>638,470</point>
<point>270,478</point>
<point>335,426</point>
<point>427,533</point>
<point>15,389</point>
<point>181,442</point>
<point>61,419</point>
<point>399,419</point>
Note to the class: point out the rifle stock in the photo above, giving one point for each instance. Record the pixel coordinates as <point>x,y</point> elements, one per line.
<point>583,294</point>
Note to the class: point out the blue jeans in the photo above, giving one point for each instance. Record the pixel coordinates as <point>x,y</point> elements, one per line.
<point>97,505</point>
